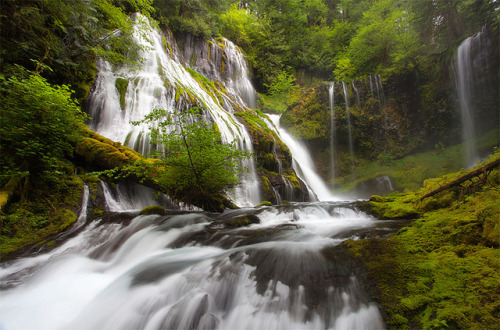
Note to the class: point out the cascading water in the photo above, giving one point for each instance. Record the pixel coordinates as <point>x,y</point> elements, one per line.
<point>178,272</point>
<point>469,54</point>
<point>287,186</point>
<point>331,100</point>
<point>303,165</point>
<point>355,89</point>
<point>123,95</point>
<point>349,128</point>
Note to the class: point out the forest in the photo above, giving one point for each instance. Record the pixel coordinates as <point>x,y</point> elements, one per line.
<point>248,119</point>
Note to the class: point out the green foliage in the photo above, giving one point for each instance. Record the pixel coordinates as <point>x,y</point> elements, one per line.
<point>66,36</point>
<point>39,125</point>
<point>198,165</point>
<point>282,84</point>
<point>198,17</point>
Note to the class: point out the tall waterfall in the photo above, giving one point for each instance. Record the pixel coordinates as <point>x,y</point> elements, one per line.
<point>122,95</point>
<point>331,100</point>
<point>349,128</point>
<point>469,55</point>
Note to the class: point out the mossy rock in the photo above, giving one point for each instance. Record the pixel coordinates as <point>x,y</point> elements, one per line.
<point>242,221</point>
<point>378,199</point>
<point>153,209</point>
<point>265,203</point>
<point>122,85</point>
<point>398,207</point>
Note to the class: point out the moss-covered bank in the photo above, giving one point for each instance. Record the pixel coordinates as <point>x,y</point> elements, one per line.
<point>444,269</point>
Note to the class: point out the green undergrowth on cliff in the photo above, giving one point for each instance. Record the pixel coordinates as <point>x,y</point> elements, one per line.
<point>443,270</point>
<point>410,172</point>
<point>32,215</point>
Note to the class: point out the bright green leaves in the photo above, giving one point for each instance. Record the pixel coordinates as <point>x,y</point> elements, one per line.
<point>198,165</point>
<point>384,42</point>
<point>38,125</point>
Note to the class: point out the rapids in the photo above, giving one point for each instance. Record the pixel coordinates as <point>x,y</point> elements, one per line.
<point>198,270</point>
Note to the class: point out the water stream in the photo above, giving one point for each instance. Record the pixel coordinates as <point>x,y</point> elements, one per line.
<point>190,270</point>
<point>303,165</point>
<point>349,126</point>
<point>331,101</point>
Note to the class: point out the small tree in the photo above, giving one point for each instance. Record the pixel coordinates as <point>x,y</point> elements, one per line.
<point>199,167</point>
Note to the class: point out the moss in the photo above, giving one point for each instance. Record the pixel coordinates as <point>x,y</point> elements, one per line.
<point>443,270</point>
<point>7,191</point>
<point>153,209</point>
<point>393,207</point>
<point>265,203</point>
<point>97,212</point>
<point>122,85</point>
<point>25,228</point>
<point>192,60</point>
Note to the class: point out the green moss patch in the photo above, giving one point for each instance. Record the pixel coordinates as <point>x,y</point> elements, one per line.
<point>122,85</point>
<point>153,209</point>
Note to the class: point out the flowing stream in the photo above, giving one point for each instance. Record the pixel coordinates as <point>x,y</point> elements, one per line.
<point>196,270</point>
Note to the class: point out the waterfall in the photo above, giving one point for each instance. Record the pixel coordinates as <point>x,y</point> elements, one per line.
<point>356,93</point>
<point>122,95</point>
<point>371,86</point>
<point>304,165</point>
<point>287,186</point>
<point>349,128</point>
<point>380,90</point>
<point>331,100</point>
<point>469,56</point>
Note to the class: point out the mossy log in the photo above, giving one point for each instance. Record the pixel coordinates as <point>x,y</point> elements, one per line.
<point>483,170</point>
<point>105,154</point>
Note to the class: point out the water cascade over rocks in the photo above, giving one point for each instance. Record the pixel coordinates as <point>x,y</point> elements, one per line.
<point>363,89</point>
<point>122,95</point>
<point>187,270</point>
<point>303,165</point>
<point>331,101</point>
<point>349,126</point>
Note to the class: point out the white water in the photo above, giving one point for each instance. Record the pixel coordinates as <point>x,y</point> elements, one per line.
<point>306,169</point>
<point>119,276</point>
<point>349,127</point>
<point>466,76</point>
<point>159,85</point>
<point>356,93</point>
<point>331,100</point>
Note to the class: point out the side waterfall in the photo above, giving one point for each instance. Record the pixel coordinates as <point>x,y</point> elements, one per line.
<point>469,58</point>
<point>331,100</point>
<point>122,95</point>
<point>349,128</point>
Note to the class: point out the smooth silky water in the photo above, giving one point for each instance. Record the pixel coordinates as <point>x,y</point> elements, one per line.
<point>192,270</point>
